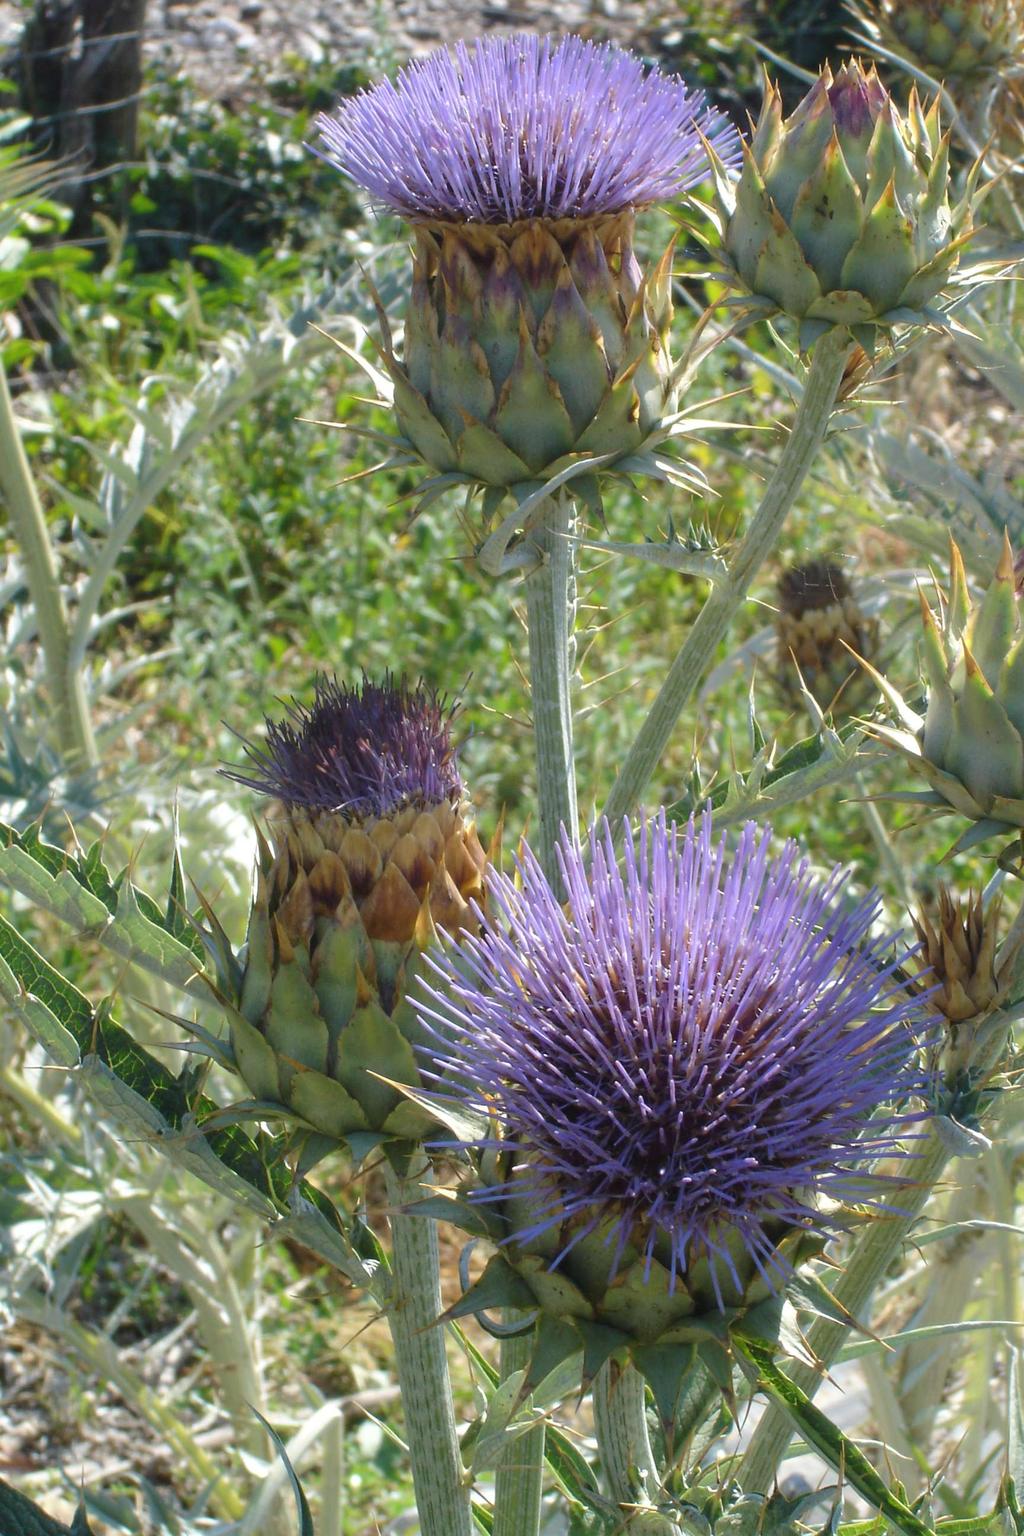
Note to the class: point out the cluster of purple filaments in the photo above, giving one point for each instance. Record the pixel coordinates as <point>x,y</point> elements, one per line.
<point>364,751</point>
<point>525,128</point>
<point>701,1041</point>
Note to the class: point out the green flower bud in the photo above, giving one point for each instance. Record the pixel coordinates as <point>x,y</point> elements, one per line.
<point>969,744</point>
<point>956,41</point>
<point>841,214</point>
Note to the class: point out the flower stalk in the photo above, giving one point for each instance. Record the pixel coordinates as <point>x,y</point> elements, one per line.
<point>442,1491</point>
<point>519,1478</point>
<point>810,425</point>
<point>630,1470</point>
<point>550,616</point>
<point>28,522</point>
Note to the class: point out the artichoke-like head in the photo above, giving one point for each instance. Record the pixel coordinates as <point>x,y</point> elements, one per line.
<point>957,958</point>
<point>819,623</point>
<point>535,345</point>
<point>842,215</point>
<point>374,855</point>
<point>969,743</point>
<point>679,1076</point>
<point>961,42</point>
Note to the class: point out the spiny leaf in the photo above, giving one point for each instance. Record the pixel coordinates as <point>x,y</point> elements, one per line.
<point>305,1517</point>
<point>20,1517</point>
<point>825,1437</point>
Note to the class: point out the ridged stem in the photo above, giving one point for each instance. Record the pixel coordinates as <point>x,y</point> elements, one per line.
<point>693,659</point>
<point>519,1479</point>
<point>878,1248</point>
<point>442,1491</point>
<point>627,1460</point>
<point>28,524</point>
<point>550,616</point>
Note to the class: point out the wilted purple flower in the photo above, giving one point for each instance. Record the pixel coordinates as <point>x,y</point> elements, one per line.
<point>694,1049</point>
<point>525,128</point>
<point>363,751</point>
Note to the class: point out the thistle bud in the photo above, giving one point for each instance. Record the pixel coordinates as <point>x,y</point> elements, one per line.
<point>841,215</point>
<point>958,956</point>
<point>961,42</point>
<point>969,744</point>
<point>533,338</point>
<point>374,852</point>
<point>683,1068</point>
<point>819,624</point>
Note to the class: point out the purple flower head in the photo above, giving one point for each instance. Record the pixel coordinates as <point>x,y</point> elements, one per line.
<point>365,751</point>
<point>525,128</point>
<point>700,1043</point>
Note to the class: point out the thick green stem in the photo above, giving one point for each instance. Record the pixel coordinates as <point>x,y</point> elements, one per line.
<point>550,614</point>
<point>28,524</point>
<point>442,1491</point>
<point>727,596</point>
<point>519,1479</point>
<point>627,1460</point>
<point>550,620</point>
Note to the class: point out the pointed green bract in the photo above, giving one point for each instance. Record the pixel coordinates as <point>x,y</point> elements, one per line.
<point>594,1297</point>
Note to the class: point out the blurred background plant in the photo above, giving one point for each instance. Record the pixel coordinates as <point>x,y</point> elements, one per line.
<point>212,550</point>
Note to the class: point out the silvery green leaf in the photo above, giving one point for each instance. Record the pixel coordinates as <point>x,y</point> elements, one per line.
<point>308,1226</point>
<point>128,1109</point>
<point>136,938</point>
<point>190,1149</point>
<point>961,1140</point>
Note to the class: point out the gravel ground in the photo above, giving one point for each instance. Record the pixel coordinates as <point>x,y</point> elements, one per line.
<point>222,43</point>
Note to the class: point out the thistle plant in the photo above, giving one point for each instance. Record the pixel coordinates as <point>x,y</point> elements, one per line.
<point>681,1077</point>
<point>535,346</point>
<point>375,854</point>
<point>535,356</point>
<point>685,1073</point>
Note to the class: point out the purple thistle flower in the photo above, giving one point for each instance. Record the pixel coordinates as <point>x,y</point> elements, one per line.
<point>699,1044</point>
<point>365,751</point>
<point>525,128</point>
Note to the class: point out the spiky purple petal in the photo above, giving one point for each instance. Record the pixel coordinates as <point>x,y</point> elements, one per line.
<point>364,751</point>
<point>697,1042</point>
<point>525,127</point>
